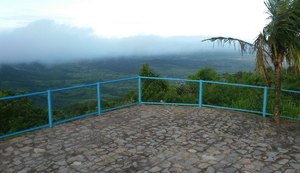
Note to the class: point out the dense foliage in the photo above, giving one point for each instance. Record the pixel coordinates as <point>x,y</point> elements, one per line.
<point>33,77</point>
<point>20,114</point>
<point>224,95</point>
<point>278,45</point>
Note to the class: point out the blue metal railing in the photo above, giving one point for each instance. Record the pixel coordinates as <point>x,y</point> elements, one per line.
<point>50,124</point>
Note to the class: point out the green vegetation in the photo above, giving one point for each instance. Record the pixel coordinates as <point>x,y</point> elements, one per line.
<point>23,113</point>
<point>19,114</point>
<point>278,43</point>
<point>223,95</point>
<point>34,77</point>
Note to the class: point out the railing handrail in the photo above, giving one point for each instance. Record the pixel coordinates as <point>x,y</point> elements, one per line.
<point>143,77</point>
<point>98,84</point>
<point>65,88</point>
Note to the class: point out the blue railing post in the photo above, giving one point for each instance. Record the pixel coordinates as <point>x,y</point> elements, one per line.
<point>200,92</point>
<point>98,84</point>
<point>140,90</point>
<point>50,115</point>
<point>264,112</point>
<point>99,97</point>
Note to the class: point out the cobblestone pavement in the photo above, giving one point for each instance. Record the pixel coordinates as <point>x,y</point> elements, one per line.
<point>157,139</point>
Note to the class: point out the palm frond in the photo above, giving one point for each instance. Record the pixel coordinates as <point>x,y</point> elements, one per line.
<point>280,40</point>
<point>285,23</point>
<point>271,6</point>
<point>245,47</point>
<point>263,57</point>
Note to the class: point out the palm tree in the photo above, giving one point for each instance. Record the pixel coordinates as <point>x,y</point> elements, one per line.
<point>279,42</point>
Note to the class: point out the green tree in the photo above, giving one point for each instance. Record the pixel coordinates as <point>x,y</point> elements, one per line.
<point>279,42</point>
<point>203,74</point>
<point>19,114</point>
<point>147,71</point>
<point>152,89</point>
<point>251,78</point>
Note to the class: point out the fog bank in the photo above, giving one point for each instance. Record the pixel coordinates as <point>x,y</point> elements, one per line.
<point>44,41</point>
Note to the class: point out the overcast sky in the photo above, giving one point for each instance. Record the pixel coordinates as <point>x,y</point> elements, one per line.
<point>122,18</point>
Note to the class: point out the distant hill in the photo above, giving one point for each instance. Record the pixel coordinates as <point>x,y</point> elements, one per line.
<point>47,42</point>
<point>36,76</point>
<point>45,55</point>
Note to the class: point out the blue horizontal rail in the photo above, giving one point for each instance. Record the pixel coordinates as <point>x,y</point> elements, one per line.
<point>74,118</point>
<point>285,90</point>
<point>291,91</point>
<point>119,80</point>
<point>24,131</point>
<point>166,103</point>
<point>234,109</point>
<point>74,87</point>
<point>170,79</point>
<point>119,107</point>
<point>291,118</point>
<point>233,84</point>
<point>23,95</point>
<point>140,101</point>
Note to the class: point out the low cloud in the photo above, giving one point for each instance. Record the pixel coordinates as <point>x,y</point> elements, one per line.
<point>45,41</point>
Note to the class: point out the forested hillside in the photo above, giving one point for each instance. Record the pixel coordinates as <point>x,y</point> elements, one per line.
<point>36,77</point>
<point>19,114</point>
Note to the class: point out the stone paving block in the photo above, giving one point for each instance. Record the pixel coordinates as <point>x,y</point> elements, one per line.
<point>157,139</point>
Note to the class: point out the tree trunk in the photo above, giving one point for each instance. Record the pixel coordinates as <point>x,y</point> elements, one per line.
<point>277,108</point>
